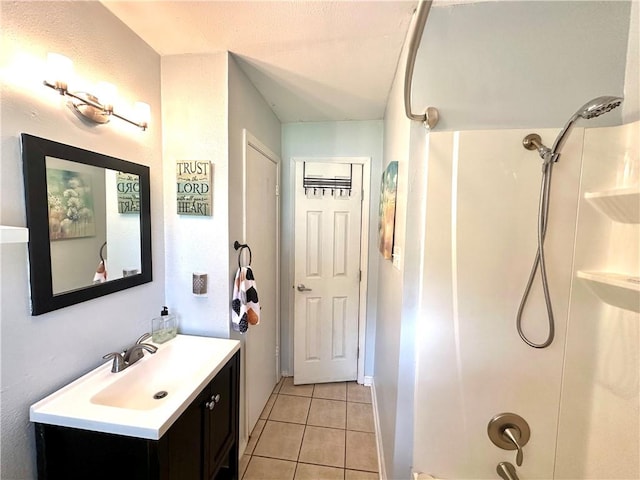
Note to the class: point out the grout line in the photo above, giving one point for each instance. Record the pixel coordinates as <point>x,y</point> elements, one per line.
<point>304,431</point>
<point>344,462</point>
<point>297,461</point>
<point>289,423</point>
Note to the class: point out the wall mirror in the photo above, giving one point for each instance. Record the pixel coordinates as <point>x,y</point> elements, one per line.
<point>89,223</point>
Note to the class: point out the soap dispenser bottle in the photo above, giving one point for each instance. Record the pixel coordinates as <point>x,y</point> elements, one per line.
<point>164,327</point>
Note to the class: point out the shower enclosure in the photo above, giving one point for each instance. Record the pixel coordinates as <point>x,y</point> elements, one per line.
<point>579,396</point>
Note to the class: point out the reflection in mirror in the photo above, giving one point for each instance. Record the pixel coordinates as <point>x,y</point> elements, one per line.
<point>89,223</point>
<point>89,206</point>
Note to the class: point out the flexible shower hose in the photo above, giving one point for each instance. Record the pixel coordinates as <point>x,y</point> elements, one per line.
<point>543,216</point>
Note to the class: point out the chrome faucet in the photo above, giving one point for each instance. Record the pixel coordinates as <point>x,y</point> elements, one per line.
<point>131,355</point>
<point>507,471</point>
<point>135,353</point>
<point>118,361</point>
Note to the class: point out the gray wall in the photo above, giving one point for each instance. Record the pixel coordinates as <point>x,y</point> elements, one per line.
<point>41,354</point>
<point>398,300</point>
<point>484,66</point>
<point>513,64</point>
<point>631,107</point>
<point>195,121</point>
<point>247,109</point>
<point>327,139</point>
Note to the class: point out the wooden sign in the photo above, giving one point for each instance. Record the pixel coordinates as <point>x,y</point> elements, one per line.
<point>128,186</point>
<point>194,187</point>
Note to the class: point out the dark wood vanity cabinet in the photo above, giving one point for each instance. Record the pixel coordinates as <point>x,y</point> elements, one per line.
<point>202,444</point>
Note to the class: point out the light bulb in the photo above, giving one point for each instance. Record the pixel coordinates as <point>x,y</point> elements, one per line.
<point>107,95</point>
<point>59,70</point>
<point>143,113</point>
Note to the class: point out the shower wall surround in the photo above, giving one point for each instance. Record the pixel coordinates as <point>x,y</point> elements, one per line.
<point>599,433</point>
<point>580,395</point>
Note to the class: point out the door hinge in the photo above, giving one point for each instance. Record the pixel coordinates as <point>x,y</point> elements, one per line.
<point>277,190</point>
<point>360,276</point>
<point>358,352</point>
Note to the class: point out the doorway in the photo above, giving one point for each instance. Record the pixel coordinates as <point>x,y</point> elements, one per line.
<point>261,233</point>
<point>329,278</point>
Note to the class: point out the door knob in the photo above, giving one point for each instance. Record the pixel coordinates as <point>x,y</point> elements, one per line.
<point>302,288</point>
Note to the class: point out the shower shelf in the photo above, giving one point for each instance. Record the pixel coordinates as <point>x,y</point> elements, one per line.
<point>620,290</point>
<point>13,234</point>
<point>620,204</point>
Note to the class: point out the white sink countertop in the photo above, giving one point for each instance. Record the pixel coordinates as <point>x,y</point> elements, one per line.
<point>122,403</point>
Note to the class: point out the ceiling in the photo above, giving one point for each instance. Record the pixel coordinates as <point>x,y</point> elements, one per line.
<point>311,60</point>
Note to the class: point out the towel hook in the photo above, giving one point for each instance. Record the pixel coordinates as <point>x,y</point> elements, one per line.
<point>102,251</point>
<point>241,246</point>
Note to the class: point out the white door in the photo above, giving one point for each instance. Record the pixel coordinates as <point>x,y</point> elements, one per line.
<point>327,278</point>
<point>261,375</point>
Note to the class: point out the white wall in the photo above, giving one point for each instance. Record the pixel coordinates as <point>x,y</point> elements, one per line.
<point>599,433</point>
<point>480,244</point>
<point>327,139</point>
<point>195,120</point>
<point>123,248</point>
<point>41,354</point>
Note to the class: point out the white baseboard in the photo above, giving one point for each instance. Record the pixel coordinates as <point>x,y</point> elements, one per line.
<point>242,447</point>
<point>382,470</point>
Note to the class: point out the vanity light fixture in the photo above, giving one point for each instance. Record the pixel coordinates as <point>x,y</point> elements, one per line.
<point>96,108</point>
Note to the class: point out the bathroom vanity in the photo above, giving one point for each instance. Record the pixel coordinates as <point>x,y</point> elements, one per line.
<point>173,415</point>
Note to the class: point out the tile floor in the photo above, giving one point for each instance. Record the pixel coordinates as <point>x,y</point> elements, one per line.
<point>313,432</point>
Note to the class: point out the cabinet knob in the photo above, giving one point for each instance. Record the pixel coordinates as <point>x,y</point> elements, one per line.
<point>212,403</point>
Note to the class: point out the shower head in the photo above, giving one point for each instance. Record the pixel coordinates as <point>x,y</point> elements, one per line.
<point>593,108</point>
<point>598,106</point>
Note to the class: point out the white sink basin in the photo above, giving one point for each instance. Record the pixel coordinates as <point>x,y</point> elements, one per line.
<point>124,403</point>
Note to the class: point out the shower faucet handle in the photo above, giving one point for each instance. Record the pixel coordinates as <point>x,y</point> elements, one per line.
<point>509,432</point>
<point>513,435</point>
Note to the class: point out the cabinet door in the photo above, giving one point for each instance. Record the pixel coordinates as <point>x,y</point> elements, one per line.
<point>185,446</point>
<point>222,422</point>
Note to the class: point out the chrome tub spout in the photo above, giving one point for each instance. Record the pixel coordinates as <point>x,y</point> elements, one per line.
<point>507,471</point>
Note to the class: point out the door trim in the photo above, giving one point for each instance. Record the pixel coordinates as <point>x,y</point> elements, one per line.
<point>249,140</point>
<point>364,251</point>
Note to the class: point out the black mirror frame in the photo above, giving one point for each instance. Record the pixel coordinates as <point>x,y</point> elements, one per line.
<point>34,153</point>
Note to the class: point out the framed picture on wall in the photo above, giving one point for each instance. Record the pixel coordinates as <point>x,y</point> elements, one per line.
<point>387,211</point>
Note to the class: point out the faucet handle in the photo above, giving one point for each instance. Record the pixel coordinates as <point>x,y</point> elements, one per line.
<point>118,361</point>
<point>145,336</point>
<point>513,435</point>
<point>509,432</point>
